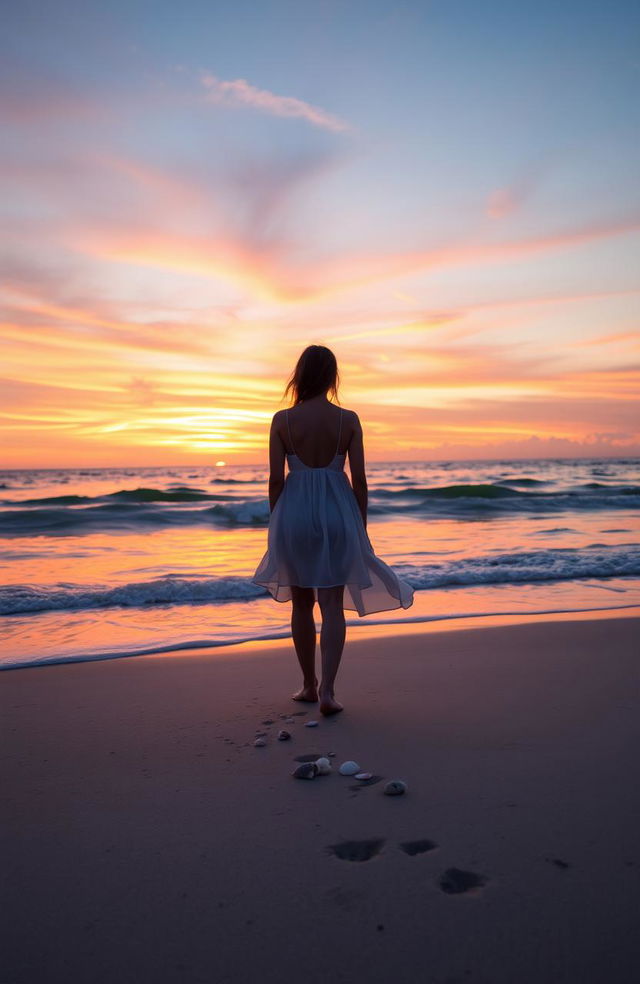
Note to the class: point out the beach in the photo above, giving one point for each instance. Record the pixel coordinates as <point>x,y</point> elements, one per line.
<point>147,839</point>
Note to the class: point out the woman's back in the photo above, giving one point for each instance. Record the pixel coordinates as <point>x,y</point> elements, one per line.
<point>316,430</point>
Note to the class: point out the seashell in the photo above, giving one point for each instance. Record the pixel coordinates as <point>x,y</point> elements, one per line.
<point>395,788</point>
<point>259,743</point>
<point>323,766</point>
<point>363,775</point>
<point>284,735</point>
<point>311,724</point>
<point>349,768</point>
<point>308,770</point>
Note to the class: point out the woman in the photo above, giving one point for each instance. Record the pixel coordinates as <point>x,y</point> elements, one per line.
<point>318,548</point>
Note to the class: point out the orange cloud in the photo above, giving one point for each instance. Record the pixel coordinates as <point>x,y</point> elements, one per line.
<point>632,337</point>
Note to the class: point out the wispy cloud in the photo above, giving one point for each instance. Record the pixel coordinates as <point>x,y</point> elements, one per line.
<point>502,202</point>
<point>240,92</point>
<point>509,198</point>
<point>271,271</point>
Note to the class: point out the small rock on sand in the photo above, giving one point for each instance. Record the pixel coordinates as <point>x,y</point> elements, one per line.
<point>349,768</point>
<point>308,770</point>
<point>395,788</point>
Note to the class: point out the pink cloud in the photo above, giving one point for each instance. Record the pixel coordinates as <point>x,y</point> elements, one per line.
<point>357,270</point>
<point>501,202</point>
<point>239,91</point>
<point>504,201</point>
<point>621,336</point>
<point>269,270</point>
<point>507,199</point>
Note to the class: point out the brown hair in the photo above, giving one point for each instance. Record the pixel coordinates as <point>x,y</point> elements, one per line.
<point>316,372</point>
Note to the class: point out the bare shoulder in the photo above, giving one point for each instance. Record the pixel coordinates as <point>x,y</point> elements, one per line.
<point>351,417</point>
<point>278,418</point>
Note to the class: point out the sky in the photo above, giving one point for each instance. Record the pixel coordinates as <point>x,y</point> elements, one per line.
<point>445,194</point>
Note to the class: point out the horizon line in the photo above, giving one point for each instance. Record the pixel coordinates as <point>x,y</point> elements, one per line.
<point>371,461</point>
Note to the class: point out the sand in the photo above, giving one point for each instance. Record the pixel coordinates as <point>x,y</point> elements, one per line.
<point>147,840</point>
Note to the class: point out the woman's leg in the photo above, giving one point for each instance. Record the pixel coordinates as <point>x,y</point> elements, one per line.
<point>331,644</point>
<point>303,630</point>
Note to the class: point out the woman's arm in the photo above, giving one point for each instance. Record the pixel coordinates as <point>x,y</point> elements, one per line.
<point>276,463</point>
<point>356,466</point>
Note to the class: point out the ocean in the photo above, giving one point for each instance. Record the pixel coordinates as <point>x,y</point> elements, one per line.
<point>102,563</point>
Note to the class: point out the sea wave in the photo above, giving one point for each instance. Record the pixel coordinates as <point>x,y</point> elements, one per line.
<point>170,589</point>
<point>151,508</point>
<point>524,482</point>
<point>60,520</point>
<point>561,564</point>
<point>180,493</point>
<point>461,501</point>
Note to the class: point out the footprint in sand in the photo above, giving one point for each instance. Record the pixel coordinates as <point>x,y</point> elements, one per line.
<point>357,850</point>
<point>559,863</point>
<point>417,847</point>
<point>455,881</point>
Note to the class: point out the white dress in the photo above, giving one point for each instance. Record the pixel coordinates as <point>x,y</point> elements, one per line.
<point>317,539</point>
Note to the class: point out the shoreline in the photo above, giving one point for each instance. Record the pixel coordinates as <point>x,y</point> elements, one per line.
<point>147,839</point>
<point>363,629</point>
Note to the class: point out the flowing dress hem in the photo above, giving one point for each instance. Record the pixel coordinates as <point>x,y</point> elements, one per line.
<point>275,589</point>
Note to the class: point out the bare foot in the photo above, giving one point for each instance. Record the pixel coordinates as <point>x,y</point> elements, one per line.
<point>329,705</point>
<point>307,693</point>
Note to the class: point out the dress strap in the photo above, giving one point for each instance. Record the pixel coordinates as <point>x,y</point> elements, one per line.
<point>289,432</point>
<point>339,432</point>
